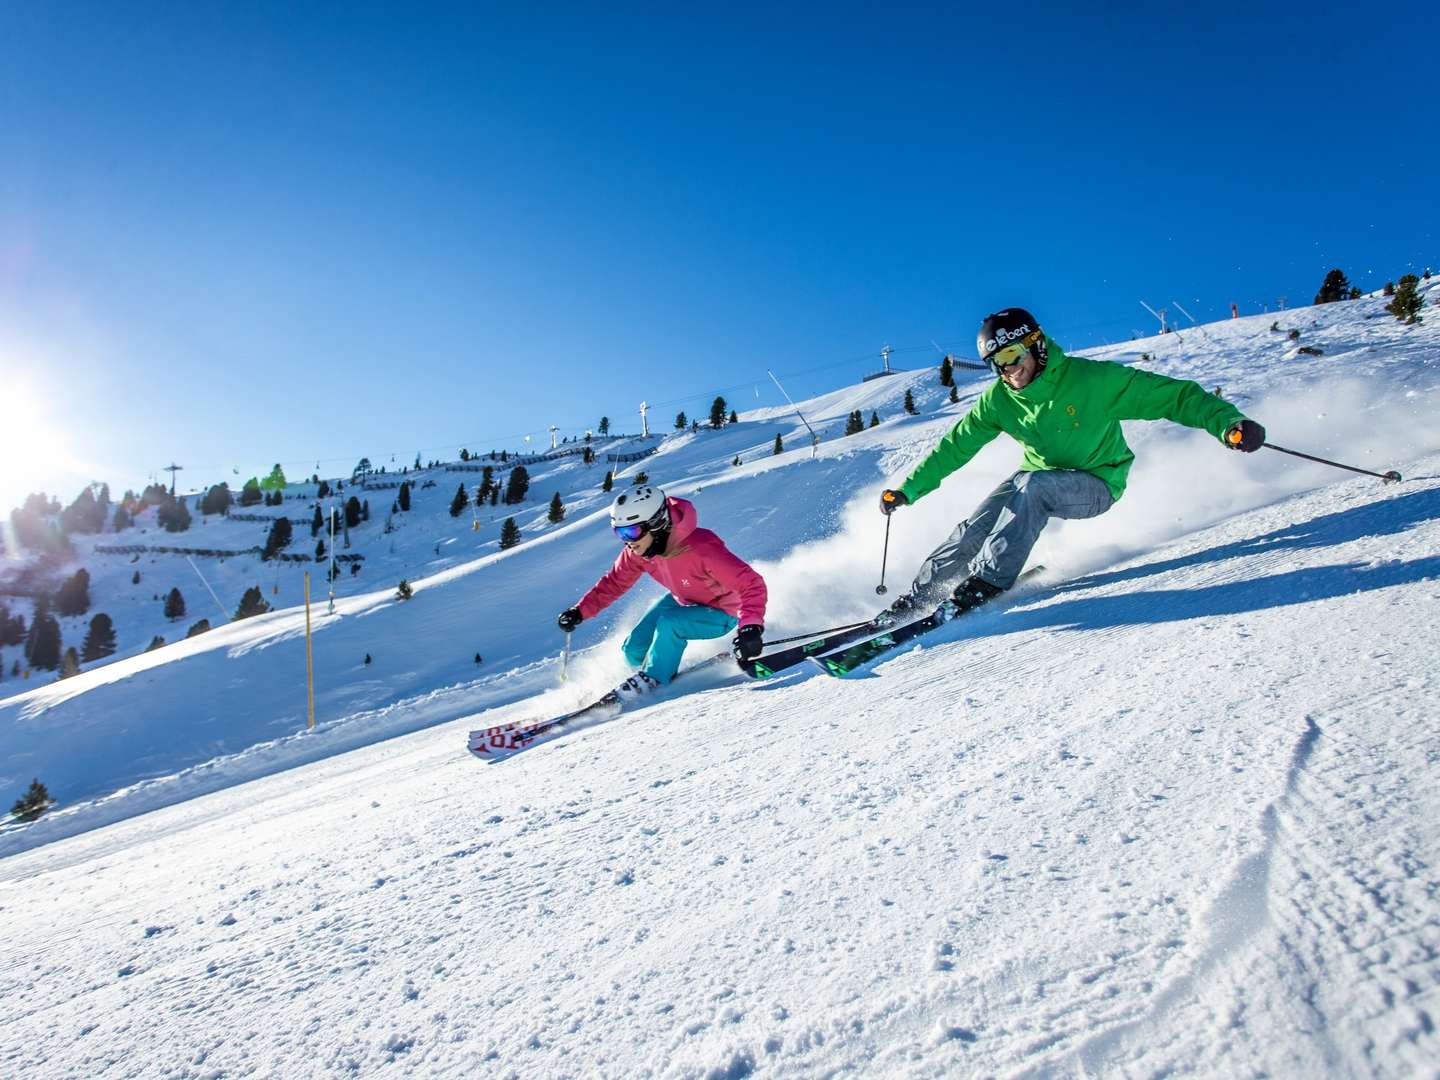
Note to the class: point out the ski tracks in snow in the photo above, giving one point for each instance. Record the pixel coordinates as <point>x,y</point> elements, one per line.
<point>1329,929</point>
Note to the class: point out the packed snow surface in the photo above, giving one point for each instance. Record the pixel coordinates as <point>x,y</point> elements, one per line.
<point>1173,809</point>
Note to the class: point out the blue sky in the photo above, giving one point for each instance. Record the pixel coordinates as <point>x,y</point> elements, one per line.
<point>238,234</point>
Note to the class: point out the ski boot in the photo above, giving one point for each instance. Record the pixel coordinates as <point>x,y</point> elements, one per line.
<point>970,594</point>
<point>637,686</point>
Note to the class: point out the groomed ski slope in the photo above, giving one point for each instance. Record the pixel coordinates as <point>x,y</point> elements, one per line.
<point>1175,811</point>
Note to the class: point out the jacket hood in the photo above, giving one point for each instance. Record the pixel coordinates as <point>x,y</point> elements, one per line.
<point>683,521</point>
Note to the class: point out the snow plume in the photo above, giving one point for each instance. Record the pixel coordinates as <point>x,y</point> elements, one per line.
<point>1182,481</point>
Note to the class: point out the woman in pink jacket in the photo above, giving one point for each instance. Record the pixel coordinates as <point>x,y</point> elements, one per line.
<point>710,589</point>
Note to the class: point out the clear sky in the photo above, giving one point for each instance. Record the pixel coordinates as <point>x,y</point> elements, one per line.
<point>235,234</point>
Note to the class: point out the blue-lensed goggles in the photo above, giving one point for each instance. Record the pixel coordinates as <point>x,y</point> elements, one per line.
<point>631,533</point>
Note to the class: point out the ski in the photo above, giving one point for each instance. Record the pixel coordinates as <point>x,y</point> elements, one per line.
<point>503,740</point>
<point>764,667</point>
<point>845,658</point>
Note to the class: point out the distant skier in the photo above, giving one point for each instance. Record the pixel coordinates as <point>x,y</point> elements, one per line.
<point>711,590</point>
<point>1066,412</point>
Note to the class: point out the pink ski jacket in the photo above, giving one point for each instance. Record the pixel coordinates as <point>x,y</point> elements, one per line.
<point>697,568</point>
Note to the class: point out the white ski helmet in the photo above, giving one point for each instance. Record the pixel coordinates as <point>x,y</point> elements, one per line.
<point>643,505</point>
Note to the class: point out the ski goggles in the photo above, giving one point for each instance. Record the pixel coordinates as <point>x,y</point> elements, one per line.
<point>1012,354</point>
<point>631,533</point>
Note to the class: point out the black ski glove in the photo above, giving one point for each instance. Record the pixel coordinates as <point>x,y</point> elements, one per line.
<point>749,642</point>
<point>1245,435</point>
<point>570,618</point>
<point>890,501</point>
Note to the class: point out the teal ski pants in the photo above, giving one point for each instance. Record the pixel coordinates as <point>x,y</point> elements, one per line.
<point>659,639</point>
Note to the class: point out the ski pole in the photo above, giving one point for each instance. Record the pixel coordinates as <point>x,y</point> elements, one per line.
<point>565,659</point>
<point>1390,477</point>
<point>814,634</point>
<point>880,589</point>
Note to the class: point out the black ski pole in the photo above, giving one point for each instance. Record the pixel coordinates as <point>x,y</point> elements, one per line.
<point>1390,477</point>
<point>880,589</point>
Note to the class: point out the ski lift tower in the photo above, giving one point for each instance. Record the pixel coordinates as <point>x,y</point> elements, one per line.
<point>172,469</point>
<point>644,423</point>
<point>1164,326</point>
<point>886,369</point>
<point>553,444</point>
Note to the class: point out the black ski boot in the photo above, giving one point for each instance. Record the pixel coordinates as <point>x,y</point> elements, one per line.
<point>971,593</point>
<point>902,609</point>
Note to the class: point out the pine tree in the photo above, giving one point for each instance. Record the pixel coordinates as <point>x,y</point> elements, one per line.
<point>99,640</point>
<point>609,481</point>
<point>517,486</point>
<point>70,665</point>
<point>404,591</point>
<point>317,522</point>
<point>135,578</point>
<point>557,510</point>
<point>954,394</point>
<point>718,410</point>
<point>874,419</point>
<point>43,647</point>
<point>198,628</point>
<point>323,492</point>
<point>320,550</point>
<point>174,605</point>
<point>854,423</point>
<point>779,448</point>
<point>1334,288</point>
<point>155,642</point>
<point>174,515</point>
<point>250,493</point>
<point>122,519</point>
<point>73,597</point>
<point>734,417</point>
<point>353,512</point>
<point>33,803</point>
<point>680,422</point>
<point>217,500</point>
<point>910,404</point>
<point>12,627</point>
<point>275,480</point>
<point>280,536</point>
<point>1408,301</point>
<point>460,501</point>
<point>604,427</point>
<point>252,603</point>
<point>509,534</point>
<point>495,495</point>
<point>947,372</point>
<point>736,461</point>
<point>404,497</point>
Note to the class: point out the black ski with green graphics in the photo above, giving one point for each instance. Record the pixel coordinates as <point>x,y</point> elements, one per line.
<point>845,658</point>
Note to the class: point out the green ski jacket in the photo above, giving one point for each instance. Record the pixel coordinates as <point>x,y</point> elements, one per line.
<point>1069,418</point>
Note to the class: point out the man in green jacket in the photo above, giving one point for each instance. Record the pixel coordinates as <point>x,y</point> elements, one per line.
<point>1066,412</point>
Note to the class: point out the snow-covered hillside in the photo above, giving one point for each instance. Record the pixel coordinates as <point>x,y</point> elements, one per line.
<point>1174,810</point>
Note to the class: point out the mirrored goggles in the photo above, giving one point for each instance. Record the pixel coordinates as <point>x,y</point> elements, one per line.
<point>631,533</point>
<point>1009,356</point>
<point>1012,354</point>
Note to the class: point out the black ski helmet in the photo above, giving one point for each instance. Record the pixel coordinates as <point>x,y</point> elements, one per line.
<point>1009,327</point>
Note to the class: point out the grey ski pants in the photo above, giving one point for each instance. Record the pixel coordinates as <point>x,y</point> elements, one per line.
<point>994,542</point>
